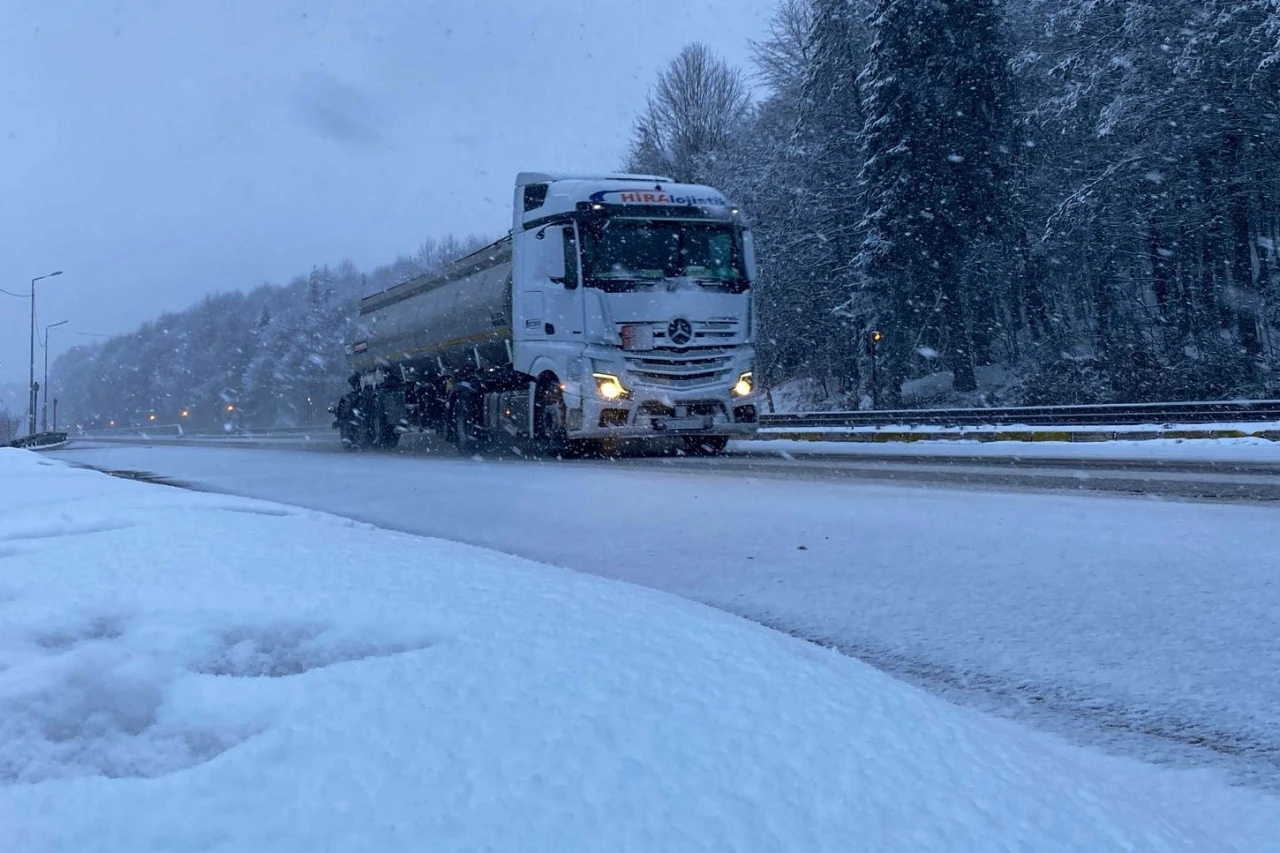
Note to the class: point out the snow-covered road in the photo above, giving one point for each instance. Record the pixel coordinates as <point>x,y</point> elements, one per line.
<point>1149,627</point>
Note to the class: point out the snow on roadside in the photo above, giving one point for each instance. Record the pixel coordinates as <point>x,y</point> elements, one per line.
<point>189,671</point>
<point>1249,428</point>
<point>1243,450</point>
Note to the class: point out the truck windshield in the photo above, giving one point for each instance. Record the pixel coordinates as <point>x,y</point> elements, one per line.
<point>621,254</point>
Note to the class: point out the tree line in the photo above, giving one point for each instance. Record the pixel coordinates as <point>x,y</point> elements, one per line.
<point>270,357</point>
<point>1039,201</point>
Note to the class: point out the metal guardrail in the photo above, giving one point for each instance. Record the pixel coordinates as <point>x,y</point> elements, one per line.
<point>1242,411</point>
<point>179,431</point>
<point>38,441</point>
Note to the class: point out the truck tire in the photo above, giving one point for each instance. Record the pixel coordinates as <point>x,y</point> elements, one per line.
<point>350,439</point>
<point>346,421</point>
<point>366,421</point>
<point>386,436</point>
<point>550,413</point>
<point>705,445</point>
<point>549,419</point>
<point>468,434</point>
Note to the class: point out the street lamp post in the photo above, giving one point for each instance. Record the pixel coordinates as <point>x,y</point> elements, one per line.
<point>31,408</point>
<point>873,349</point>
<point>44,408</point>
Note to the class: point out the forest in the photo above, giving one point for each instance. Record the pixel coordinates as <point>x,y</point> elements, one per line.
<point>967,202</point>
<point>271,356</point>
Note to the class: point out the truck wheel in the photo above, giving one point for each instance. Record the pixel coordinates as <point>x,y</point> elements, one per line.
<point>388,437</point>
<point>348,426</point>
<point>366,424</point>
<point>348,432</point>
<point>468,436</point>
<point>549,418</point>
<point>705,445</point>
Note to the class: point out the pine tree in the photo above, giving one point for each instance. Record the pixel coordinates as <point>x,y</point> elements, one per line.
<point>936,141</point>
<point>829,203</point>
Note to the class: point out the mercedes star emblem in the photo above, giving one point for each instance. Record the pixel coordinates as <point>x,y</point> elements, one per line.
<point>680,331</point>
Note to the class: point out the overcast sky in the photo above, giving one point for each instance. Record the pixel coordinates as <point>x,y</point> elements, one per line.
<point>158,150</point>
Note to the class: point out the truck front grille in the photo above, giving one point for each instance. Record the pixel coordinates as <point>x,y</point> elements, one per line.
<point>681,370</point>
<point>720,332</point>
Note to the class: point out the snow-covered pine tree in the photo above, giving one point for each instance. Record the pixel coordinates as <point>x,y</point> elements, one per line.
<point>829,207</point>
<point>937,129</point>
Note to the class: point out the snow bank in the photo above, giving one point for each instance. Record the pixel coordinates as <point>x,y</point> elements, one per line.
<point>1223,450</point>
<point>186,671</point>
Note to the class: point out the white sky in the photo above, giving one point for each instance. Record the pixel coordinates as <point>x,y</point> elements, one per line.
<point>157,150</point>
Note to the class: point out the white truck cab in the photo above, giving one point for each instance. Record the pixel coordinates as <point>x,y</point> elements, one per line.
<point>636,292</point>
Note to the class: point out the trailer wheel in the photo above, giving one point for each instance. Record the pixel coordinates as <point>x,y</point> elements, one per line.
<point>347,430</point>
<point>345,416</point>
<point>366,425</point>
<point>468,435</point>
<point>390,438</point>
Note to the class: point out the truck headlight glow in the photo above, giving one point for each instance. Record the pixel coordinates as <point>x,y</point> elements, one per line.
<point>610,387</point>
<point>744,386</point>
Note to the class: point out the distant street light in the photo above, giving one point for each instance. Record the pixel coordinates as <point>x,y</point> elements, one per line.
<point>44,408</point>
<point>31,409</point>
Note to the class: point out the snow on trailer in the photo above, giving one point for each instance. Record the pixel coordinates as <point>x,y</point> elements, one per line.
<point>182,670</point>
<point>618,307</point>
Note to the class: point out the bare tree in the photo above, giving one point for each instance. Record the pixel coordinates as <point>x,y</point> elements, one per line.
<point>694,110</point>
<point>784,56</point>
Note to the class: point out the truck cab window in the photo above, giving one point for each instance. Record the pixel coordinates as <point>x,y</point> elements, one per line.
<point>535,195</point>
<point>621,254</point>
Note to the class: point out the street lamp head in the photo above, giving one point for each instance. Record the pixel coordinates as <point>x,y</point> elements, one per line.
<point>55,272</point>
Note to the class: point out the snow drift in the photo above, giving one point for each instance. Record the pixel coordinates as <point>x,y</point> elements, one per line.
<point>185,671</point>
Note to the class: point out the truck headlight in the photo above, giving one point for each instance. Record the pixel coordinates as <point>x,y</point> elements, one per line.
<point>609,387</point>
<point>745,385</point>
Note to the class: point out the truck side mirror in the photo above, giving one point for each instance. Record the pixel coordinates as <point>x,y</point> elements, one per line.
<point>551,251</point>
<point>749,254</point>
<point>570,256</point>
<point>558,256</point>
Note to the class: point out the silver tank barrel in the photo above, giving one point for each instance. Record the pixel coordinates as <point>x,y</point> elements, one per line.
<point>448,316</point>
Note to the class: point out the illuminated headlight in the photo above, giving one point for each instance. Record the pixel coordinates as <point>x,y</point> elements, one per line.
<point>744,386</point>
<point>610,387</point>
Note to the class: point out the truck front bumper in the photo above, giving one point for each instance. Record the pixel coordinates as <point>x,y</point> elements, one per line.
<point>658,415</point>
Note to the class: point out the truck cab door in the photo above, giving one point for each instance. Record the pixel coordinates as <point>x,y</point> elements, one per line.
<point>558,275</point>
